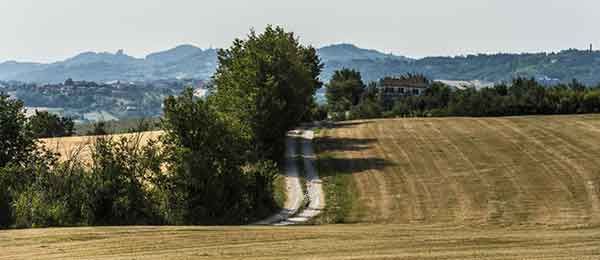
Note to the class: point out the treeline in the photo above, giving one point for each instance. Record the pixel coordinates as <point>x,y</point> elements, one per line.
<point>548,68</point>
<point>522,97</point>
<point>215,163</point>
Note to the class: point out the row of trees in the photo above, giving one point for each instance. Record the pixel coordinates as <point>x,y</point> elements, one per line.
<point>347,92</point>
<point>522,97</point>
<point>215,163</point>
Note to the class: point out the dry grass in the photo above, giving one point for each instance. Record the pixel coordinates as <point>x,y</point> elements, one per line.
<point>479,172</point>
<point>447,188</point>
<point>68,147</point>
<point>309,242</point>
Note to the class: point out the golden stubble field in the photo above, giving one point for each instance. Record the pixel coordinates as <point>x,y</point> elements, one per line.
<point>79,146</point>
<point>514,171</point>
<point>361,241</point>
<point>430,188</point>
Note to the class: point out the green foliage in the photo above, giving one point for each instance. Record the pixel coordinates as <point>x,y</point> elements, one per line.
<point>88,101</point>
<point>33,194</point>
<point>129,125</point>
<point>114,190</point>
<point>317,113</point>
<point>99,128</point>
<point>550,68</point>
<point>213,165</point>
<point>264,85</point>
<point>16,138</point>
<point>369,105</point>
<point>522,97</point>
<point>367,109</point>
<point>591,101</point>
<point>344,90</point>
<point>211,180</point>
<point>117,183</point>
<point>44,125</point>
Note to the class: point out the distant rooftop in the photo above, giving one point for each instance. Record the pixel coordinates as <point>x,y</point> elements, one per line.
<point>414,81</point>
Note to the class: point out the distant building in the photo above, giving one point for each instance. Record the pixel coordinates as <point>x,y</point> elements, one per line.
<point>201,92</point>
<point>392,88</point>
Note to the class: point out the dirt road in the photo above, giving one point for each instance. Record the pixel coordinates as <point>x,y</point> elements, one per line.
<point>316,201</point>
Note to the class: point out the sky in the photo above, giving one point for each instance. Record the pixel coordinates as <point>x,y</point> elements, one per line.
<point>52,30</point>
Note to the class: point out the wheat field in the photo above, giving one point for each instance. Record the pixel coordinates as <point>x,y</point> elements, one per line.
<point>513,171</point>
<point>363,241</point>
<point>79,146</point>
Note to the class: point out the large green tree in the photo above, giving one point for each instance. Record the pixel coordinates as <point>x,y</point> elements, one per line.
<point>17,149</point>
<point>344,90</point>
<point>265,86</point>
<point>210,180</point>
<point>16,138</point>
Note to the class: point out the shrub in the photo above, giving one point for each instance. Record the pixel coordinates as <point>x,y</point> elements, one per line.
<point>44,125</point>
<point>117,183</point>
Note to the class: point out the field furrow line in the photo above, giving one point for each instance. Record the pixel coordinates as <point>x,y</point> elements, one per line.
<point>591,183</point>
<point>525,199</point>
<point>567,164</point>
<point>431,175</point>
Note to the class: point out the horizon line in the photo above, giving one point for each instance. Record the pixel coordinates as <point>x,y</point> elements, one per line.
<point>323,46</point>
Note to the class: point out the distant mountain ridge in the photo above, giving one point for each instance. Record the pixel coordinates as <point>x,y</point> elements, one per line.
<point>188,61</point>
<point>185,61</point>
<point>349,52</point>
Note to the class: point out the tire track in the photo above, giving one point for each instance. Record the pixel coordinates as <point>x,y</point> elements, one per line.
<point>314,184</point>
<point>291,213</point>
<point>294,195</point>
<point>566,162</point>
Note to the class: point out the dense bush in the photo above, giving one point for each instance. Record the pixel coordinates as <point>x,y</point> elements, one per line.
<point>114,190</point>
<point>118,186</point>
<point>44,124</point>
<point>213,179</point>
<point>37,190</point>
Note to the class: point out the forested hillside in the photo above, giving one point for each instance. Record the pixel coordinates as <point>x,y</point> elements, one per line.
<point>187,61</point>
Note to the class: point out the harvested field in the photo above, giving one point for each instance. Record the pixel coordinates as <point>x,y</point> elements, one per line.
<point>71,146</point>
<point>428,188</point>
<point>478,172</point>
<point>309,242</point>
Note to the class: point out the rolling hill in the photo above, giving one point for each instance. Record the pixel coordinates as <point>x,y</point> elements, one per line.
<point>537,171</point>
<point>188,61</point>
<point>184,61</point>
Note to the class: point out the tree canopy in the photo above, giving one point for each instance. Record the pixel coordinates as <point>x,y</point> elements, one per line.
<point>265,86</point>
<point>45,124</point>
<point>16,138</point>
<point>344,90</point>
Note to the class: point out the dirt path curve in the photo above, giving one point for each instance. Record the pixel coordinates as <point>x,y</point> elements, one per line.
<point>295,197</point>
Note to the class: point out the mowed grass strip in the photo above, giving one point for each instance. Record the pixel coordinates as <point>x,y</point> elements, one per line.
<point>477,172</point>
<point>309,242</point>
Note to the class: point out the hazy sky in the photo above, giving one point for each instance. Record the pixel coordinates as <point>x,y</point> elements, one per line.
<point>49,30</point>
